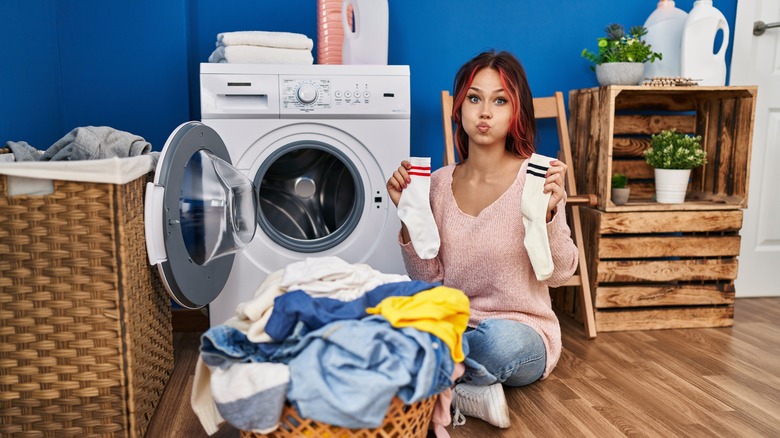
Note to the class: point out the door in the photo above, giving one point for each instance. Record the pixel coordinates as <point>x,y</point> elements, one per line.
<point>756,61</point>
<point>198,213</point>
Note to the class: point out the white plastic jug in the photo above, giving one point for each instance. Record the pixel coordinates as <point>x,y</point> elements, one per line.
<point>697,59</point>
<point>664,34</point>
<point>368,43</point>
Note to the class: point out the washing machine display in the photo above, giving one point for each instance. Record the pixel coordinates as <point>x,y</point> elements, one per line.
<point>312,145</point>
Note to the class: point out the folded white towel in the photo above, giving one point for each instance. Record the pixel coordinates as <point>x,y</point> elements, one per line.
<point>282,40</point>
<point>260,55</point>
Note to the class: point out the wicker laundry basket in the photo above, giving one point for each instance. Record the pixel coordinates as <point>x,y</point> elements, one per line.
<point>401,421</point>
<point>85,326</point>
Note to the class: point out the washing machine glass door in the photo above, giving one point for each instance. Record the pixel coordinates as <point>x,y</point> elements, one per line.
<point>199,212</point>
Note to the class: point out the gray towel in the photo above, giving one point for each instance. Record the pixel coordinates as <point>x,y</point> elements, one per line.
<point>85,143</point>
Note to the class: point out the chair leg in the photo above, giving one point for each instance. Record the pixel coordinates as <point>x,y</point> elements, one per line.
<point>586,297</point>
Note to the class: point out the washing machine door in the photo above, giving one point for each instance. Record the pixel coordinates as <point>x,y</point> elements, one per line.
<point>199,212</point>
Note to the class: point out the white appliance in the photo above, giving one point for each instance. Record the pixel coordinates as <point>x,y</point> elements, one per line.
<point>305,150</point>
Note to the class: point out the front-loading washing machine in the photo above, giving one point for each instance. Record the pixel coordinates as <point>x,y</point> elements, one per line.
<point>289,162</point>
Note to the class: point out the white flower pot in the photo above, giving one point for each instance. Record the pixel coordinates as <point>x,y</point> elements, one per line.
<point>671,185</point>
<point>620,73</point>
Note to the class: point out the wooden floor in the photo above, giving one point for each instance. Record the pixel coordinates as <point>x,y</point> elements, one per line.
<point>722,382</point>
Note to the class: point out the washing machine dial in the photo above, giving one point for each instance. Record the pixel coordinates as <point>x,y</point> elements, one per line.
<point>307,93</point>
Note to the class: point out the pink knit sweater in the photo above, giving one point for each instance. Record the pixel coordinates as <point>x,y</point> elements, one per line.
<point>484,256</point>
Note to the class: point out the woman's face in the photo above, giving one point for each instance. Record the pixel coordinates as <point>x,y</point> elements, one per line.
<point>487,111</point>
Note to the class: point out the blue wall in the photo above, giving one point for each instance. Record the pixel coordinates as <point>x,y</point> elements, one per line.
<point>133,65</point>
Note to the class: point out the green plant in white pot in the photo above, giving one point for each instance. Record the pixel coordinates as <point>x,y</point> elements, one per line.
<point>620,189</point>
<point>673,155</point>
<point>621,56</point>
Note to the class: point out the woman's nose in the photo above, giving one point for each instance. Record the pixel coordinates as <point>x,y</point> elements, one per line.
<point>485,112</point>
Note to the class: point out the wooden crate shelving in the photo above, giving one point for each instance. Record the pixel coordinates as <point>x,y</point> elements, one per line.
<point>610,128</point>
<point>655,266</point>
<point>657,270</point>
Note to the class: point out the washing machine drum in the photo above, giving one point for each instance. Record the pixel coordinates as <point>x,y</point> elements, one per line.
<point>310,196</point>
<point>199,212</point>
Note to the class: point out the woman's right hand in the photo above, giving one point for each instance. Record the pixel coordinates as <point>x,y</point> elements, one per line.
<point>398,182</point>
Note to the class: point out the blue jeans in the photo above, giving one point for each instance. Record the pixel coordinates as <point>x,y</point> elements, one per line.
<point>505,351</point>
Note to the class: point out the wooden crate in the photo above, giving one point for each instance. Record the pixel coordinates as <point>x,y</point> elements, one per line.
<point>662,269</point>
<point>610,128</point>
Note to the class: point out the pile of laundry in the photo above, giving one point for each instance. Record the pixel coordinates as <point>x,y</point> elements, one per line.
<point>335,340</point>
<point>84,143</point>
<point>261,47</point>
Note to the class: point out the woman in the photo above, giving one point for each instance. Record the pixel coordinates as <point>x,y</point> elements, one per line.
<point>514,336</point>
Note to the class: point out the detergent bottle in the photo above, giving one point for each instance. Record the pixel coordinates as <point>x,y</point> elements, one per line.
<point>367,44</point>
<point>697,60</point>
<point>664,34</point>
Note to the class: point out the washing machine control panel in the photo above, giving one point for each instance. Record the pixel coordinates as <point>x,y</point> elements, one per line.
<point>305,94</point>
<point>344,95</point>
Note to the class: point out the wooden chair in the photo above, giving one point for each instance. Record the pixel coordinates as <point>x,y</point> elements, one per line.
<point>551,107</point>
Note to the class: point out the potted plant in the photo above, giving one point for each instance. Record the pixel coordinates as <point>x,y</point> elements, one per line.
<point>673,155</point>
<point>620,189</point>
<point>621,57</point>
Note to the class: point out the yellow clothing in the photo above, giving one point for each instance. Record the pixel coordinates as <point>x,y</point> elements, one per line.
<point>441,311</point>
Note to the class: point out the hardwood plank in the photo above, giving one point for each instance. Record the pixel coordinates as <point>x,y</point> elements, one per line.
<point>664,295</point>
<point>633,169</point>
<point>653,124</point>
<point>666,270</point>
<point>619,247</point>
<point>654,319</point>
<point>663,222</point>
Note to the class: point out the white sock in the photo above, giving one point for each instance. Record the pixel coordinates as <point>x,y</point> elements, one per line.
<point>414,209</point>
<point>534,209</point>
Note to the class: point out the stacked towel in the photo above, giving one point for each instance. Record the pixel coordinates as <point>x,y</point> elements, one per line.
<point>260,47</point>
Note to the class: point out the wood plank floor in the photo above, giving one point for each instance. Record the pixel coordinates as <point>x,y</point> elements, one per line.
<point>719,382</point>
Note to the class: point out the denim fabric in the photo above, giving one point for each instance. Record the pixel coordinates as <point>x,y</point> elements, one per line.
<point>434,367</point>
<point>351,369</point>
<point>222,345</point>
<point>297,306</point>
<point>505,351</point>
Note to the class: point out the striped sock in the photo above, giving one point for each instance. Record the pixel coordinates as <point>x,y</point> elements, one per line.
<point>414,209</point>
<point>534,208</point>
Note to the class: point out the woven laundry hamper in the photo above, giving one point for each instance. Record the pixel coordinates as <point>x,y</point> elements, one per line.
<point>401,421</point>
<point>85,326</point>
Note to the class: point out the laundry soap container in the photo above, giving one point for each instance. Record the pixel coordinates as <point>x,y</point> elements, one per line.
<point>664,34</point>
<point>698,60</point>
<point>365,42</point>
<point>330,32</point>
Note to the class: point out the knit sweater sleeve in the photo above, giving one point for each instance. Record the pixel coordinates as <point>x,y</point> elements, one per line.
<point>564,253</point>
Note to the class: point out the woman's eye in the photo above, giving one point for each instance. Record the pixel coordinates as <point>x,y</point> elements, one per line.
<point>500,101</point>
<point>473,99</point>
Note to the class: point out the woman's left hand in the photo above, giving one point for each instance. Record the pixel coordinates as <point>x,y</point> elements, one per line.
<point>554,184</point>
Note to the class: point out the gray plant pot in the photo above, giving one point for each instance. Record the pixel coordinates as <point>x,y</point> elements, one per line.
<point>620,196</point>
<point>620,73</point>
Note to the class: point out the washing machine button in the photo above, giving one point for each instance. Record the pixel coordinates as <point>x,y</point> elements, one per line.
<point>307,93</point>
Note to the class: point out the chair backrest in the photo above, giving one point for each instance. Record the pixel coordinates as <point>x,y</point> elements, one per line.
<point>550,107</point>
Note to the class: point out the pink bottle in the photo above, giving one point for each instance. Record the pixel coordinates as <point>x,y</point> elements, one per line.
<point>330,31</point>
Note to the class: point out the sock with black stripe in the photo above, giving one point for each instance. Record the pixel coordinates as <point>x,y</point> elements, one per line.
<point>534,208</point>
<point>414,209</point>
